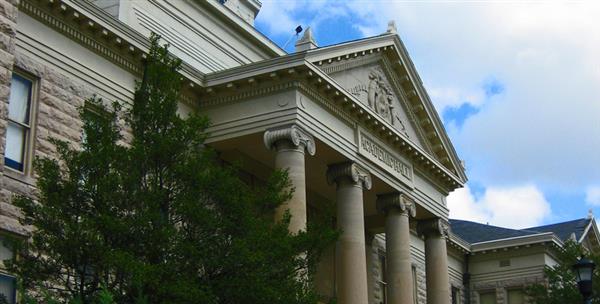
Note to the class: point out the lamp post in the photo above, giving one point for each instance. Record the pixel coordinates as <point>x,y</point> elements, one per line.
<point>584,270</point>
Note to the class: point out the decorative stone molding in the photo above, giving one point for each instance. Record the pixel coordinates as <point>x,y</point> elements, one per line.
<point>351,170</point>
<point>127,57</point>
<point>293,134</point>
<point>398,200</point>
<point>434,227</point>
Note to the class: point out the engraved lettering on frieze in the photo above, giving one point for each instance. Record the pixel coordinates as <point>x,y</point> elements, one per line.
<point>374,150</point>
<point>380,98</point>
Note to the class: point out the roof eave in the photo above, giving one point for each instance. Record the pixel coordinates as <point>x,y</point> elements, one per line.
<point>516,242</point>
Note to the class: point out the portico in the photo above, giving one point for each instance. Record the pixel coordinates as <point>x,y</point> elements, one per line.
<point>352,125</point>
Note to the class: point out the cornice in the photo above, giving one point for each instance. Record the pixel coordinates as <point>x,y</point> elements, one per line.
<point>521,241</point>
<point>83,30</point>
<point>346,65</point>
<point>426,116</point>
<point>216,97</point>
<point>458,243</point>
<point>417,83</point>
<point>375,55</point>
<point>548,239</point>
<point>98,31</point>
<point>294,71</point>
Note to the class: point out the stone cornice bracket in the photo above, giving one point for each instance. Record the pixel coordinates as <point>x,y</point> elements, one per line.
<point>350,171</point>
<point>434,227</point>
<point>292,134</point>
<point>398,200</point>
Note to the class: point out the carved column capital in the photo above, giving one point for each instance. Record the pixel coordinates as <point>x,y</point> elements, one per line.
<point>397,200</point>
<point>350,170</point>
<point>292,134</point>
<point>434,227</point>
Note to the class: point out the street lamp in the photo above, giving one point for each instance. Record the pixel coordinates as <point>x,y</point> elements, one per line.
<point>584,270</point>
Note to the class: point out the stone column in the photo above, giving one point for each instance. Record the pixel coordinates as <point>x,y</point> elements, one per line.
<point>398,208</point>
<point>436,260</point>
<point>291,142</point>
<point>351,260</point>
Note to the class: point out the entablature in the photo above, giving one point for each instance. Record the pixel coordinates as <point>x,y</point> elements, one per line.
<point>407,83</point>
<point>101,33</point>
<point>294,72</point>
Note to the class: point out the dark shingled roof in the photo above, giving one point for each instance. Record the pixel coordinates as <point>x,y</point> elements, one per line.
<point>475,232</point>
<point>565,229</point>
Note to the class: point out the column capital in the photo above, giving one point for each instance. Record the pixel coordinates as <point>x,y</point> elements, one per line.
<point>292,134</point>
<point>350,170</point>
<point>432,227</point>
<point>397,200</point>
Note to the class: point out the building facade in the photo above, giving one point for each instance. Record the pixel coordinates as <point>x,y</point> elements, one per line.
<point>351,122</point>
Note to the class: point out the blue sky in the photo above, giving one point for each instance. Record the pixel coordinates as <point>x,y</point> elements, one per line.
<point>517,85</point>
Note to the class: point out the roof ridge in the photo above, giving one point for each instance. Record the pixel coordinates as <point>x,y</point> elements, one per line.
<point>494,226</point>
<point>560,223</point>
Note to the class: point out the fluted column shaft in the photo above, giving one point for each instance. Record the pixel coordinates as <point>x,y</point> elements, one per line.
<point>351,260</point>
<point>291,143</point>
<point>397,209</point>
<point>436,260</point>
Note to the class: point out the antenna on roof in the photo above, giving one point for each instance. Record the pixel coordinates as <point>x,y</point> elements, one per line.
<point>297,31</point>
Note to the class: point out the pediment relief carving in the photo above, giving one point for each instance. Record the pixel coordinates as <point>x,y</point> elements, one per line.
<point>380,98</point>
<point>367,80</point>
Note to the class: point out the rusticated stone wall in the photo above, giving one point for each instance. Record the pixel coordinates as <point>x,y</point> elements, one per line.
<point>501,287</point>
<point>8,30</point>
<point>375,272</point>
<point>57,98</point>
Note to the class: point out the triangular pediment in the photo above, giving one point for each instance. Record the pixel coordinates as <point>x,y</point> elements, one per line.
<point>368,80</point>
<point>379,73</point>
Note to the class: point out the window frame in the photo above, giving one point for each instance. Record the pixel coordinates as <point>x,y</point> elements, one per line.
<point>455,294</point>
<point>415,291</point>
<point>6,275</point>
<point>486,292</point>
<point>30,129</point>
<point>13,298</point>
<point>382,280</point>
<point>513,289</point>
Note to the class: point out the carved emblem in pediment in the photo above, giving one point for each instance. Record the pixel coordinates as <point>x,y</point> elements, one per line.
<point>380,98</point>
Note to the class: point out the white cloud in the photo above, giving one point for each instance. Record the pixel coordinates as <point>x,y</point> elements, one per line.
<point>592,196</point>
<point>545,126</point>
<point>282,17</point>
<point>515,207</point>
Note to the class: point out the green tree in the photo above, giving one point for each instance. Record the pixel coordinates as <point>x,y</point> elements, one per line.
<point>561,286</point>
<point>159,219</point>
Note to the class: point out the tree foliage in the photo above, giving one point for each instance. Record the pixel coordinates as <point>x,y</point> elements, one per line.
<point>561,286</point>
<point>156,217</point>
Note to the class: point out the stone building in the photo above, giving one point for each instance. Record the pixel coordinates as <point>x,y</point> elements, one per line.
<point>498,262</point>
<point>351,122</point>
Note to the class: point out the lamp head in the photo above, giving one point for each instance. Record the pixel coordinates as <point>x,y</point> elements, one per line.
<point>584,270</point>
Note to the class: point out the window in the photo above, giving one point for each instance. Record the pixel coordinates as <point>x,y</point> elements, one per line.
<point>5,252</point>
<point>8,288</point>
<point>487,298</point>
<point>383,277</point>
<point>455,295</point>
<point>414,279</point>
<point>516,296</point>
<point>7,283</point>
<point>18,128</point>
